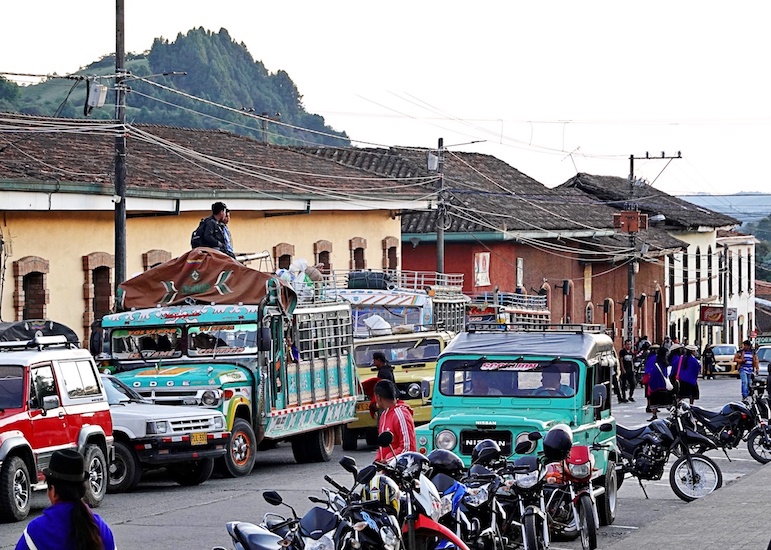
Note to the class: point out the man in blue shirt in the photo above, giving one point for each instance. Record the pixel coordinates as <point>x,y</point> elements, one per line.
<point>748,365</point>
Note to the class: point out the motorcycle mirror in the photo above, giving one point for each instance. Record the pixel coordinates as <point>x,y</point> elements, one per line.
<point>534,436</point>
<point>523,447</point>
<point>366,474</point>
<point>273,498</point>
<point>349,465</point>
<point>385,439</point>
<point>607,427</point>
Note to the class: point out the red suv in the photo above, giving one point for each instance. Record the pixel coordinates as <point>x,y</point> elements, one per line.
<point>51,397</point>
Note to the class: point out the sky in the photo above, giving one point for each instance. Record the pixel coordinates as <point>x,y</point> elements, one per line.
<point>552,87</point>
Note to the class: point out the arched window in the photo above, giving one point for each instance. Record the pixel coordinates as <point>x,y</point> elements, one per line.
<point>97,273</point>
<point>358,246</point>
<point>153,258</point>
<point>730,273</point>
<point>709,270</point>
<point>322,250</point>
<point>686,298</point>
<point>589,313</point>
<point>30,297</point>
<point>671,262</point>
<point>283,254</point>
<point>698,273</point>
<point>390,253</point>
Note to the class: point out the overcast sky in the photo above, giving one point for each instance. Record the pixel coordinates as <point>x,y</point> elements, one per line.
<point>554,87</point>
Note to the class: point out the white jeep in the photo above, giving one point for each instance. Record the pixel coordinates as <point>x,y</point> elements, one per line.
<point>184,440</point>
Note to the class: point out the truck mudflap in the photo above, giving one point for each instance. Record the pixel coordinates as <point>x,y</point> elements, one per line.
<point>181,448</point>
<point>295,420</point>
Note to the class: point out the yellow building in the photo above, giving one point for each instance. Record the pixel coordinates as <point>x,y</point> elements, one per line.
<point>57,202</point>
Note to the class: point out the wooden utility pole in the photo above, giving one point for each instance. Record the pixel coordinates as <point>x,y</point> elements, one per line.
<point>120,146</point>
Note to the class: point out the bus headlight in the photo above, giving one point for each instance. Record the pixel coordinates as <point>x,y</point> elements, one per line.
<point>414,390</point>
<point>210,398</point>
<point>446,440</point>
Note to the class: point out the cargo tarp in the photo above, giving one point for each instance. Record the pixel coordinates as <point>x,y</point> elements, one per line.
<point>14,331</point>
<point>204,275</point>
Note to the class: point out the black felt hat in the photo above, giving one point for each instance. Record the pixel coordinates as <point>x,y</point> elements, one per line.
<point>66,465</point>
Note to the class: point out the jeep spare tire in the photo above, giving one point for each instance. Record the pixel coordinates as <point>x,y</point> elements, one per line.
<point>97,480</point>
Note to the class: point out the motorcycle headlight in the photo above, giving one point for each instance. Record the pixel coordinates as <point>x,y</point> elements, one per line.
<point>323,543</point>
<point>210,398</point>
<point>580,471</point>
<point>446,505</point>
<point>389,539</point>
<point>446,440</point>
<point>526,481</point>
<point>476,496</point>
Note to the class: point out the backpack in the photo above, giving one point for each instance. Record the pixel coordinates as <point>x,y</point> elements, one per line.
<point>196,238</point>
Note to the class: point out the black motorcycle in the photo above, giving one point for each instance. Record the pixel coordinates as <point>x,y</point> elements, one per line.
<point>645,452</point>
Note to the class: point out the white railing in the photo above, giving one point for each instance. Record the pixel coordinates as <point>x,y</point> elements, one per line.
<point>386,279</point>
<point>511,300</point>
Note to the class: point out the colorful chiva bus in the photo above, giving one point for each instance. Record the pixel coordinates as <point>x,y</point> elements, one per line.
<point>276,371</point>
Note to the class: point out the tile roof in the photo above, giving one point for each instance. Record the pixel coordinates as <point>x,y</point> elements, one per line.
<point>171,159</point>
<point>616,192</point>
<point>484,194</point>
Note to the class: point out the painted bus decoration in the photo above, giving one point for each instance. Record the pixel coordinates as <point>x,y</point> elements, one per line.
<point>277,368</point>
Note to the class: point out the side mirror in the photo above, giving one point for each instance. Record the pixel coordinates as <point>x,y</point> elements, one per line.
<point>366,474</point>
<point>385,439</point>
<point>50,402</point>
<point>272,498</point>
<point>606,427</point>
<point>349,465</point>
<point>425,389</point>
<point>534,436</point>
<point>599,393</point>
<point>263,339</point>
<point>524,447</point>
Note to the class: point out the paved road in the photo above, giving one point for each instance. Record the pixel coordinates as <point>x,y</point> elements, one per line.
<point>161,514</point>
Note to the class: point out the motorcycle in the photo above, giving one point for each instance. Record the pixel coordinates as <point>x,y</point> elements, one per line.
<point>737,422</point>
<point>421,504</point>
<point>645,452</point>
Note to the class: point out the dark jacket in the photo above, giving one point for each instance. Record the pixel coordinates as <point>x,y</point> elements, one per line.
<point>213,236</point>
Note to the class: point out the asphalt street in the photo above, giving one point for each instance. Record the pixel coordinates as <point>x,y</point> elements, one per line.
<point>160,514</point>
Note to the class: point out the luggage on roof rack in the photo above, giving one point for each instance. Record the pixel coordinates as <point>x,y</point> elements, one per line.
<point>15,331</point>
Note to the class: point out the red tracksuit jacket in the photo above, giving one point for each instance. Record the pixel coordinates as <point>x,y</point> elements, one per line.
<point>398,421</point>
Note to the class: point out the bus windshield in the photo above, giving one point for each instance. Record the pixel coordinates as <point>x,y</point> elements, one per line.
<point>415,350</point>
<point>147,343</point>
<point>226,339</point>
<point>508,378</point>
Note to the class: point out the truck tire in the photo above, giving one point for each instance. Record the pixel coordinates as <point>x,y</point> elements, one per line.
<point>192,473</point>
<point>350,439</point>
<point>239,460</point>
<point>15,490</point>
<point>125,470</point>
<point>98,476</point>
<point>316,446</point>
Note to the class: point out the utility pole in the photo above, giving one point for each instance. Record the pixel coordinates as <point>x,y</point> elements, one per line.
<point>120,146</point>
<point>440,210</point>
<point>264,121</point>
<point>631,221</point>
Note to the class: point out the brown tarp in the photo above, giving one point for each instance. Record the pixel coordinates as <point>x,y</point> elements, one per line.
<point>204,275</point>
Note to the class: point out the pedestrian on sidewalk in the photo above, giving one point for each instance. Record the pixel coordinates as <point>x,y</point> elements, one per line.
<point>748,365</point>
<point>655,378</point>
<point>686,372</point>
<point>708,362</point>
<point>628,382</point>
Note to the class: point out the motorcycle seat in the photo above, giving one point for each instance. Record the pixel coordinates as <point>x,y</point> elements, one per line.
<point>704,413</point>
<point>628,433</point>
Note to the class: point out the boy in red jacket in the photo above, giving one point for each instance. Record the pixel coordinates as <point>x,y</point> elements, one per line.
<point>396,417</point>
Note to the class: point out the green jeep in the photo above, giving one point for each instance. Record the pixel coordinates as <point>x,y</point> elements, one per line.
<point>500,382</point>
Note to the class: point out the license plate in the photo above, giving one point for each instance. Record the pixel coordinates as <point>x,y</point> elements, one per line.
<point>198,438</point>
<point>363,406</point>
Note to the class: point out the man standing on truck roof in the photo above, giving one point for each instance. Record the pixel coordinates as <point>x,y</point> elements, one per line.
<point>396,417</point>
<point>209,232</point>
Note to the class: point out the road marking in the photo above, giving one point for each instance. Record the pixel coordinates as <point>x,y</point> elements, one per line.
<point>623,526</point>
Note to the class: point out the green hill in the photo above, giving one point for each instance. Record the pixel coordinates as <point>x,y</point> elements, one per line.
<point>218,70</point>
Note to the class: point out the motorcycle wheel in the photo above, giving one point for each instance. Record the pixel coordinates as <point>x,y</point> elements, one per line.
<point>689,485</point>
<point>532,533</point>
<point>759,444</point>
<point>586,525</point>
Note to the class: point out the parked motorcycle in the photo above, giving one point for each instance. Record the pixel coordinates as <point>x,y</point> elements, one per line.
<point>645,452</point>
<point>420,504</point>
<point>737,422</point>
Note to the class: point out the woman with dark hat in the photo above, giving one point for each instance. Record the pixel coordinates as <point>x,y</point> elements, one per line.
<point>68,524</point>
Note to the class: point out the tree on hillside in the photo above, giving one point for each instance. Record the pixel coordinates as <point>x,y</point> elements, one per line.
<point>762,231</point>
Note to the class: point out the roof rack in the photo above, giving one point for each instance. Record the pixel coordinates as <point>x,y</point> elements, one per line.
<point>38,342</point>
<point>577,328</point>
